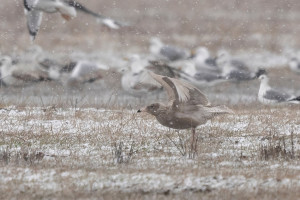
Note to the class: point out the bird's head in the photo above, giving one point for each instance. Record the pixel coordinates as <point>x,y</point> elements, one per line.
<point>202,52</point>
<point>263,77</point>
<point>5,60</point>
<point>222,58</point>
<point>260,72</point>
<point>153,109</point>
<point>156,41</point>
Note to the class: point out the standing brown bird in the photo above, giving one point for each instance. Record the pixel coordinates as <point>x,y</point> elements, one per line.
<point>187,108</point>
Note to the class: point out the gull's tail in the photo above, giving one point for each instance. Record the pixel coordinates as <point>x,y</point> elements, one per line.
<point>220,110</point>
<point>294,100</point>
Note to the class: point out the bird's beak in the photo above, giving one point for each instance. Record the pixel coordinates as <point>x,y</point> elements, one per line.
<point>193,53</point>
<point>142,110</point>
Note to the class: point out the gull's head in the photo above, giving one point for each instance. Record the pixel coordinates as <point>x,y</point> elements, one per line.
<point>134,57</point>
<point>155,41</point>
<point>153,109</point>
<point>5,60</point>
<point>263,77</point>
<point>202,52</point>
<point>260,72</point>
<point>293,63</point>
<point>222,58</point>
<point>136,63</point>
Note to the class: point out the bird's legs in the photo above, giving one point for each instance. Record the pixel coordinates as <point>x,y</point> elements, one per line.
<point>194,140</point>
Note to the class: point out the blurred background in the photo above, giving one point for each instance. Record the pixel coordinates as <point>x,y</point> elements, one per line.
<point>238,25</point>
<point>263,33</point>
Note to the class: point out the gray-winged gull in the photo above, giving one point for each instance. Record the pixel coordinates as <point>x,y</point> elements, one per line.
<point>224,58</point>
<point>187,107</point>
<point>86,72</point>
<point>200,77</point>
<point>67,8</point>
<point>202,59</point>
<point>242,75</point>
<point>136,80</point>
<point>167,52</point>
<point>270,96</point>
<point>20,74</point>
<point>236,70</point>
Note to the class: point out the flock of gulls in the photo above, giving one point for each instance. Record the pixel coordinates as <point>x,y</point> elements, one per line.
<point>181,72</point>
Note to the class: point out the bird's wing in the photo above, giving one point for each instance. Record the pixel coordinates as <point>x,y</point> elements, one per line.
<point>29,76</point>
<point>240,75</point>
<point>103,19</point>
<point>207,76</point>
<point>276,95</point>
<point>172,52</point>
<point>34,19</point>
<point>211,62</point>
<point>87,72</point>
<point>29,4</point>
<point>181,92</point>
<point>161,68</point>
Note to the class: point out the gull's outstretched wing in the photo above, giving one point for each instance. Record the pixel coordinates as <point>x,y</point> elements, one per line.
<point>29,4</point>
<point>181,92</point>
<point>105,20</point>
<point>34,19</point>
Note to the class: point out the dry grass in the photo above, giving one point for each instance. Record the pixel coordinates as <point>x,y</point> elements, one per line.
<point>253,144</point>
<point>91,144</point>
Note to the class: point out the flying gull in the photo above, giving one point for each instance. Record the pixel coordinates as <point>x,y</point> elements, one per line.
<point>268,95</point>
<point>187,107</point>
<point>67,8</point>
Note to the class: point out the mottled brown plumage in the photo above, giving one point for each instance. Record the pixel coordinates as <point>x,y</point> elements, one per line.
<point>187,107</point>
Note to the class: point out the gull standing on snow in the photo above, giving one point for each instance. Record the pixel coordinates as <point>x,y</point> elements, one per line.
<point>187,108</point>
<point>268,95</point>
<point>136,80</point>
<point>67,8</point>
<point>167,52</point>
<point>86,72</point>
<point>236,70</point>
<point>19,74</point>
<point>203,60</point>
<point>224,57</point>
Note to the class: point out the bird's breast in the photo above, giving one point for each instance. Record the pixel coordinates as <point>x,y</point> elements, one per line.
<point>172,121</point>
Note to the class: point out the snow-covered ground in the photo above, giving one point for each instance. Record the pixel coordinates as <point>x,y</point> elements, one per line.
<point>91,144</point>
<point>52,151</point>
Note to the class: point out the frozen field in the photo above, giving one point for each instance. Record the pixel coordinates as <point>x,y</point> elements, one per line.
<point>54,152</point>
<point>92,144</point>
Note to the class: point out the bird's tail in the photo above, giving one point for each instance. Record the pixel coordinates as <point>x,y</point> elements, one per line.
<point>221,110</point>
<point>295,100</point>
